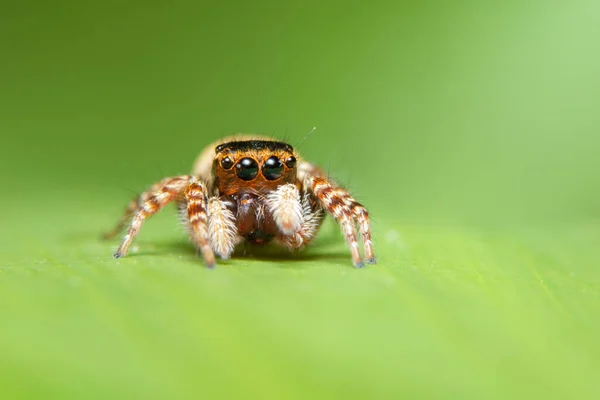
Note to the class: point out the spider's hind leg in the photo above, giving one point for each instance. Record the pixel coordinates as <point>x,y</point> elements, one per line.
<point>146,205</point>
<point>133,205</point>
<point>349,213</point>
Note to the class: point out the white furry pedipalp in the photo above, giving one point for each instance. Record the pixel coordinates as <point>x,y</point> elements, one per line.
<point>286,208</point>
<point>221,228</point>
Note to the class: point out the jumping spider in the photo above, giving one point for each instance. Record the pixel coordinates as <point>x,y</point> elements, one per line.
<point>251,188</point>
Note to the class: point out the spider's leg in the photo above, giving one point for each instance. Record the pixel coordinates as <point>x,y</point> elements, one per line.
<point>150,203</point>
<point>221,227</point>
<point>132,207</point>
<point>348,213</point>
<point>197,214</point>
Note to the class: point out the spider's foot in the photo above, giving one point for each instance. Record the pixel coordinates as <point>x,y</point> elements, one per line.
<point>372,261</point>
<point>210,266</point>
<point>359,264</point>
<point>118,254</point>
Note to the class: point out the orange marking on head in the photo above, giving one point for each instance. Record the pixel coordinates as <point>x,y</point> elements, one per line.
<point>254,166</point>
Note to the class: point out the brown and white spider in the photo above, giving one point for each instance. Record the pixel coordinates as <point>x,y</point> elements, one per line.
<point>252,188</point>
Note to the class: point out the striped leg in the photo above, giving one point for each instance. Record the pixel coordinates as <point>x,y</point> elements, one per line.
<point>348,213</point>
<point>196,204</point>
<point>150,203</point>
<point>133,206</point>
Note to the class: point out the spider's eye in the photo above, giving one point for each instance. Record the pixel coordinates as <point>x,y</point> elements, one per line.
<point>291,162</point>
<point>226,163</point>
<point>272,168</point>
<point>247,169</point>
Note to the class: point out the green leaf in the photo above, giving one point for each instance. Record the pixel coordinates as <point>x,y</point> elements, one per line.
<point>468,129</point>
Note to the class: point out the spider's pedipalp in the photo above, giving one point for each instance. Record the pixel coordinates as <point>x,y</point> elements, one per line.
<point>222,228</point>
<point>349,214</point>
<point>312,218</point>
<point>150,203</point>
<point>285,206</point>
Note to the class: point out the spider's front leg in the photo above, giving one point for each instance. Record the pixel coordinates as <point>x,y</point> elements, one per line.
<point>348,213</point>
<point>196,202</point>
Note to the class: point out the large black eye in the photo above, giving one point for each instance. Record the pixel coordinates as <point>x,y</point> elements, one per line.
<point>272,168</point>
<point>247,169</point>
<point>226,163</point>
<point>291,162</point>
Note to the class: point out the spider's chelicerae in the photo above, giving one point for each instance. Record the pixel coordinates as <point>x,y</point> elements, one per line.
<point>251,188</point>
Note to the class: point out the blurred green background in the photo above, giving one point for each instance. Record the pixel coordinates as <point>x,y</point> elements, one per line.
<point>469,129</point>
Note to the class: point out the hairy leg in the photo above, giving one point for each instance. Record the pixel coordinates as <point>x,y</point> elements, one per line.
<point>133,206</point>
<point>349,214</point>
<point>307,171</point>
<point>197,215</point>
<point>150,203</point>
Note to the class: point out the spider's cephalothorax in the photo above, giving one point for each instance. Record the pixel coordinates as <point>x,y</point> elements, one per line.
<point>256,189</point>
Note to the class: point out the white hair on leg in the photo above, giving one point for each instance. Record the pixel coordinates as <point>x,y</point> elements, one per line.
<point>221,227</point>
<point>285,206</point>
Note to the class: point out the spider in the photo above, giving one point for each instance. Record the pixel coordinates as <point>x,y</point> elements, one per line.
<point>251,188</point>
